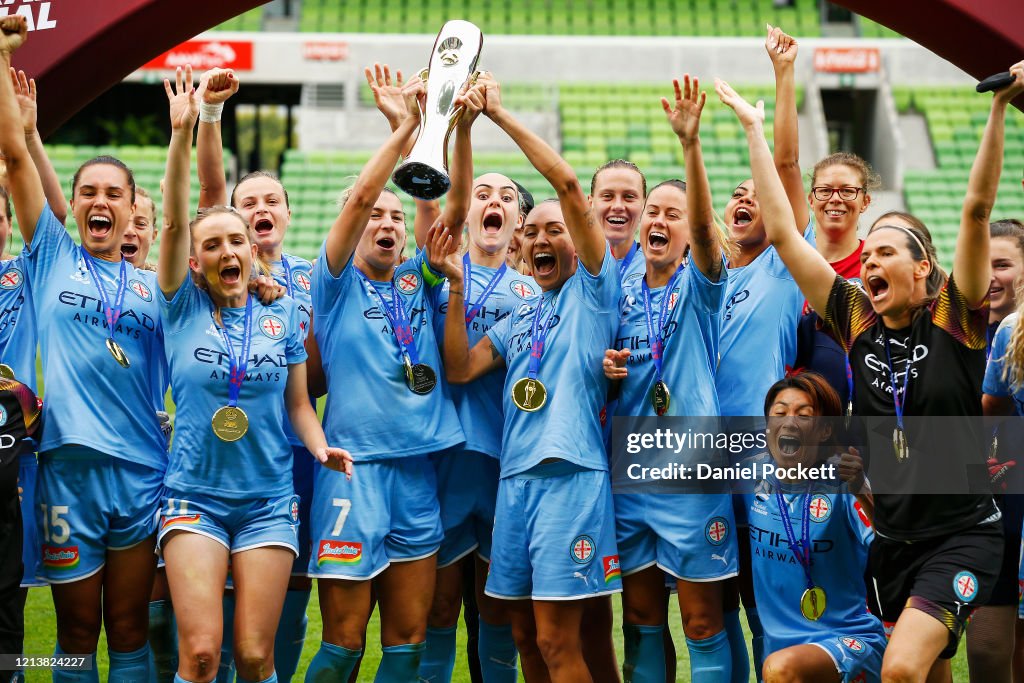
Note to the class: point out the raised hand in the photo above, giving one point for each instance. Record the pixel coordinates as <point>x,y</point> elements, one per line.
<point>614,364</point>
<point>221,84</point>
<point>473,100</point>
<point>781,46</point>
<point>13,33</point>
<point>183,99</point>
<point>442,249</point>
<point>387,92</point>
<point>747,113</point>
<point>337,459</point>
<point>1016,88</point>
<point>414,92</point>
<point>25,92</point>
<point>492,93</point>
<point>684,117</point>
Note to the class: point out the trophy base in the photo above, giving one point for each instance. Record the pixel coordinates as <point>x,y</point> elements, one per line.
<point>421,180</point>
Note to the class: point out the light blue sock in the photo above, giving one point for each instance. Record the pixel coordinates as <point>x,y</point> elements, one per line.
<point>332,664</point>
<point>438,659</point>
<point>163,642</point>
<point>291,634</point>
<point>400,663</point>
<point>272,678</point>
<point>226,668</point>
<point>129,667</point>
<point>645,654</point>
<point>756,639</point>
<point>498,656</point>
<point>710,660</point>
<point>64,676</point>
<point>737,648</point>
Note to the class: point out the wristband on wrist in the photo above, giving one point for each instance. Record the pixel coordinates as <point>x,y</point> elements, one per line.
<point>210,113</point>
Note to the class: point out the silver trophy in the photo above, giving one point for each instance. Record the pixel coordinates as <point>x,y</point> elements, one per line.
<point>424,174</point>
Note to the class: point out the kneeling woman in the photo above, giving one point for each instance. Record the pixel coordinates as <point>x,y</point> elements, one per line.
<point>229,490</point>
<point>831,637</point>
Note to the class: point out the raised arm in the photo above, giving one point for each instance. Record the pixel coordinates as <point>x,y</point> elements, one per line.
<point>971,265</point>
<point>456,203</point>
<point>810,270</point>
<point>172,267</point>
<point>220,84</point>
<point>462,364</point>
<point>25,183</point>
<point>348,226</point>
<point>307,426</point>
<point>684,117</point>
<point>25,90</point>
<point>587,236</point>
<point>782,49</point>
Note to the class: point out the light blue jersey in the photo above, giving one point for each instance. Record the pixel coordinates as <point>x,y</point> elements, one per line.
<point>17,321</point>
<point>295,275</point>
<point>479,402</point>
<point>370,410</point>
<point>995,384</point>
<point>90,399</point>
<point>839,534</point>
<point>762,309</point>
<point>582,326</point>
<point>690,338</point>
<point>632,267</point>
<point>199,361</point>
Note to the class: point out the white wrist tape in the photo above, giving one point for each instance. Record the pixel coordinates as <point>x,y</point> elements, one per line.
<point>210,113</point>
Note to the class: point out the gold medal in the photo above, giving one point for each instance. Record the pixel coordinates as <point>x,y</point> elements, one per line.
<point>420,378</point>
<point>899,444</point>
<point>6,371</point>
<point>812,603</point>
<point>118,353</point>
<point>529,395</point>
<point>230,423</point>
<point>660,397</point>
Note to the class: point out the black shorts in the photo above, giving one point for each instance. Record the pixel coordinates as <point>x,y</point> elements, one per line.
<point>946,577</point>
<point>1006,592</point>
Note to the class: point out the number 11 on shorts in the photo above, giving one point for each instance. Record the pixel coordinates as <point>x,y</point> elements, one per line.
<point>343,505</point>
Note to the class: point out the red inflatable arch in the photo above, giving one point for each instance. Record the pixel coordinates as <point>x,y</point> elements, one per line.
<point>77,49</point>
<point>981,37</point>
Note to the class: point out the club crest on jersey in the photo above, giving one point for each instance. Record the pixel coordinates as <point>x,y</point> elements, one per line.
<point>673,298</point>
<point>140,289</point>
<point>522,289</point>
<point>716,531</point>
<point>293,508</point>
<point>612,568</point>
<point>965,585</point>
<point>820,508</point>
<point>630,279</point>
<point>272,326</point>
<point>339,553</point>
<point>408,282</point>
<point>852,644</point>
<point>60,558</point>
<point>11,279</point>
<point>301,280</point>
<point>582,549</point>
<point>3,416</point>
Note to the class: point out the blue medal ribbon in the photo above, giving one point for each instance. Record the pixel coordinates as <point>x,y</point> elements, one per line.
<point>898,396</point>
<point>467,278</point>
<point>111,313</point>
<point>287,276</point>
<point>654,333</point>
<point>539,335</point>
<point>397,317</point>
<point>627,259</point>
<point>238,364</point>
<point>801,550</point>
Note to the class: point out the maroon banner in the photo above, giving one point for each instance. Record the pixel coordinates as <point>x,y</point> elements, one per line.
<point>76,50</point>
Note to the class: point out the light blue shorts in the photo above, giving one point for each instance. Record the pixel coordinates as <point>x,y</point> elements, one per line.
<point>857,658</point>
<point>87,503</point>
<point>387,513</point>
<point>31,551</point>
<point>554,536</point>
<point>467,489</point>
<point>238,525</point>
<point>690,536</point>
